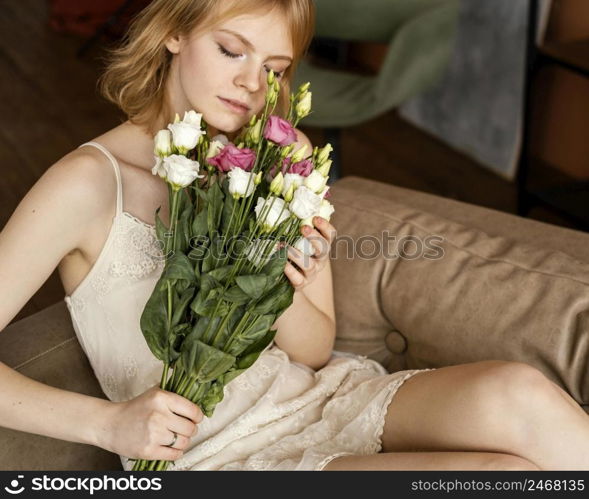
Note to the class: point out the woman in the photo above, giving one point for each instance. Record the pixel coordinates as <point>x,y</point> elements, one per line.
<point>301,406</point>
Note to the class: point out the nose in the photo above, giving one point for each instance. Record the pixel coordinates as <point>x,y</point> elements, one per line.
<point>249,78</point>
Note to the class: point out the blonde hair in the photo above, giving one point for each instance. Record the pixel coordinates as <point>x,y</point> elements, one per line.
<point>137,71</point>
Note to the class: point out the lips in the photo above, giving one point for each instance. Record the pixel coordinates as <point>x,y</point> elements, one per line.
<point>237,103</point>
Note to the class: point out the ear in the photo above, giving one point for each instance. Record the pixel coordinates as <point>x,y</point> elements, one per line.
<point>173,44</point>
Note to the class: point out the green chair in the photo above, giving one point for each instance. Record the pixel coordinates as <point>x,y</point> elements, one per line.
<point>420,35</point>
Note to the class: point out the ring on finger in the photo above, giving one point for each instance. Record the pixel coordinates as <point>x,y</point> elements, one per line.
<point>174,439</point>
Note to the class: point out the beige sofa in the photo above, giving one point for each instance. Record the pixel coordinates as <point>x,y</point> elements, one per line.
<point>471,284</point>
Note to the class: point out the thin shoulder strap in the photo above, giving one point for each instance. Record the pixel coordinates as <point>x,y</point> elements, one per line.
<point>115,165</point>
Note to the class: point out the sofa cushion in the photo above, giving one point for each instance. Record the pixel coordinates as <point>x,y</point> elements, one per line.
<point>496,287</point>
<point>44,347</point>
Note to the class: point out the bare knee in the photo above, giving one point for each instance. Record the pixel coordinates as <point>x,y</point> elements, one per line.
<point>515,383</point>
<point>508,392</point>
<point>507,462</point>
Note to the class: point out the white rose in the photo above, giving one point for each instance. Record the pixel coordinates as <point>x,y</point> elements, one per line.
<point>305,246</point>
<point>215,147</point>
<point>275,212</point>
<point>185,135</point>
<point>159,168</point>
<point>163,143</point>
<point>291,178</point>
<point>192,118</point>
<point>315,181</point>
<point>256,249</point>
<point>221,138</point>
<point>180,170</point>
<point>325,210</point>
<point>239,182</point>
<point>305,202</point>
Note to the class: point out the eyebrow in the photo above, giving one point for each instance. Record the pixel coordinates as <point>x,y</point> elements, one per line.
<point>249,44</point>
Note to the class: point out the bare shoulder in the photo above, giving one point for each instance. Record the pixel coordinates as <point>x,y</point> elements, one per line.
<point>83,179</point>
<point>74,190</point>
<point>52,220</point>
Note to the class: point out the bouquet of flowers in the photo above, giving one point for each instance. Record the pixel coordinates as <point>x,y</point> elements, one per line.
<point>223,286</point>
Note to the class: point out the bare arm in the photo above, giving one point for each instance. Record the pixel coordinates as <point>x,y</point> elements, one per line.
<point>49,222</point>
<point>33,407</point>
<point>306,330</point>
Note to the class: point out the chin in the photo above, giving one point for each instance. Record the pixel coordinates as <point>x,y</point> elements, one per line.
<point>227,126</point>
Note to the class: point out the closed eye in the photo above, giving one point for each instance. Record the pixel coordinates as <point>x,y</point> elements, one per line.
<point>231,55</point>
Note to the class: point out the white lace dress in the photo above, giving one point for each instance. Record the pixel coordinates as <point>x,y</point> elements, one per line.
<point>278,415</point>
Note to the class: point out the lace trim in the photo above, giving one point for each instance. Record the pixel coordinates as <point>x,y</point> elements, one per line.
<point>141,222</point>
<point>137,252</point>
<point>375,444</point>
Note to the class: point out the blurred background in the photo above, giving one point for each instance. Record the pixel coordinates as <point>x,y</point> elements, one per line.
<point>483,101</point>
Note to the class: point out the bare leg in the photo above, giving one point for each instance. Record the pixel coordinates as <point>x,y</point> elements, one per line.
<point>431,461</point>
<point>490,406</point>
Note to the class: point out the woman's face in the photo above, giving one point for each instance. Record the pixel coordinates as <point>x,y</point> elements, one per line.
<point>230,62</point>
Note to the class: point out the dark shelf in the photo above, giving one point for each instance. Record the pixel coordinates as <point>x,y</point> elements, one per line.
<point>554,189</point>
<point>571,55</point>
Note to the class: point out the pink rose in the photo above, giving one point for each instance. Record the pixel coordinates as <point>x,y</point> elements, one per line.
<point>231,156</point>
<point>303,168</point>
<point>280,131</point>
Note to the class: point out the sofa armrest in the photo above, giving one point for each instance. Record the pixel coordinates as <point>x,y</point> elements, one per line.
<point>44,347</point>
<point>450,283</point>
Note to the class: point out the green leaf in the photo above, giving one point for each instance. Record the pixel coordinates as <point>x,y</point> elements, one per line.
<point>229,206</point>
<point>204,362</point>
<point>208,282</point>
<point>276,299</point>
<point>212,397</point>
<point>214,207</point>
<point>201,326</point>
<point>177,335</point>
<point>256,329</point>
<point>236,295</point>
<point>221,273</point>
<point>275,266</point>
<point>199,225</point>
<point>203,194</point>
<point>154,323</point>
<point>180,305</point>
<point>230,322</point>
<point>252,352</point>
<point>228,377</point>
<point>184,226</point>
<point>253,285</point>
<point>214,253</point>
<point>179,267</point>
<point>210,303</point>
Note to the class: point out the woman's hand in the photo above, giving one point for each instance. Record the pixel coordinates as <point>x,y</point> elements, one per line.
<point>143,427</point>
<point>310,266</point>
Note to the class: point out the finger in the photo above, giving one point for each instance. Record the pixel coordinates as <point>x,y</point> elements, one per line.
<point>181,425</point>
<point>294,276</point>
<point>181,440</point>
<point>305,262</point>
<point>326,228</point>
<point>319,243</point>
<point>166,454</point>
<point>184,407</point>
